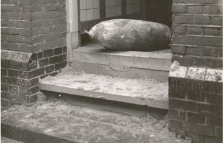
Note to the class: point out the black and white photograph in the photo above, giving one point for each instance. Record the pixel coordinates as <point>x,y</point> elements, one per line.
<point>111,71</point>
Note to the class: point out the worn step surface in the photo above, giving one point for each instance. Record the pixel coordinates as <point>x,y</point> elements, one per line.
<point>145,92</point>
<point>59,122</point>
<point>95,59</point>
<point>6,140</point>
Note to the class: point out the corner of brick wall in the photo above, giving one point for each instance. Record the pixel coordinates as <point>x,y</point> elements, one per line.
<point>34,30</point>
<point>197,32</point>
<point>20,73</point>
<point>195,103</point>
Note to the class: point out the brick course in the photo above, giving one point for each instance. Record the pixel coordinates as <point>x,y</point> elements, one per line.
<point>20,84</point>
<point>31,26</point>
<point>195,104</point>
<point>197,24</point>
<point>34,31</point>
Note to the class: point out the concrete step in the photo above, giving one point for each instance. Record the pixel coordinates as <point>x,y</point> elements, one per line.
<point>95,59</point>
<point>59,122</point>
<point>98,88</point>
<point>6,140</point>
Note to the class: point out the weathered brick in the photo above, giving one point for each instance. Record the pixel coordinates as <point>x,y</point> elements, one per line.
<point>195,118</point>
<point>25,16</point>
<point>24,39</point>
<point>214,120</point>
<point>208,1</point>
<point>218,132</point>
<point>208,41</point>
<point>183,40</point>
<point>33,82</point>
<point>37,8</point>
<point>13,89</point>
<point>40,2</point>
<point>177,93</point>
<point>4,87</point>
<point>57,59</point>
<point>213,31</point>
<point>213,87</point>
<point>194,30</point>
<point>191,127</point>
<point>184,60</point>
<point>60,65</point>
<point>38,39</point>
<point>194,51</point>
<point>48,53</point>
<point>36,73</point>
<point>53,7</point>
<point>217,63</point>
<point>26,8</point>
<point>26,2</point>
<point>49,69</point>
<point>200,19</point>
<point>58,21</point>
<point>213,98</point>
<point>43,62</point>
<point>189,106</point>
<point>178,50</point>
<point>13,73</point>
<point>217,20</point>
<point>4,72</point>
<point>210,109</point>
<point>179,29</point>
<point>179,8</point>
<point>203,61</point>
<point>34,90</point>
<point>210,51</point>
<point>196,96</point>
<point>15,31</point>
<point>40,55</point>
<point>25,32</point>
<point>39,16</point>
<point>212,9</point>
<point>194,9</point>
<point>58,51</point>
<point>175,104</point>
<point>64,49</point>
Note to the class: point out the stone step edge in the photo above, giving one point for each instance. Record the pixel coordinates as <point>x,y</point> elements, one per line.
<point>160,66</point>
<point>29,136</point>
<point>161,104</point>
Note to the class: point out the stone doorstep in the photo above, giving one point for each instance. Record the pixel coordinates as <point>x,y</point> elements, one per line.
<point>6,140</point>
<point>100,87</point>
<point>57,122</point>
<point>94,53</point>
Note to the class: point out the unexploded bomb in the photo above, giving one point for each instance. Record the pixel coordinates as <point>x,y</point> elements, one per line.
<point>126,34</point>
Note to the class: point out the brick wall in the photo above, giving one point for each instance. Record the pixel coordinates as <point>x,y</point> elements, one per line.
<point>21,71</point>
<point>32,26</point>
<point>16,30</point>
<point>195,88</point>
<point>195,103</point>
<point>197,32</point>
<point>34,46</point>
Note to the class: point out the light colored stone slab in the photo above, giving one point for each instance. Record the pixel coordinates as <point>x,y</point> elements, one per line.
<point>196,73</point>
<point>214,75</point>
<point>177,71</point>
<point>93,53</point>
<point>134,91</point>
